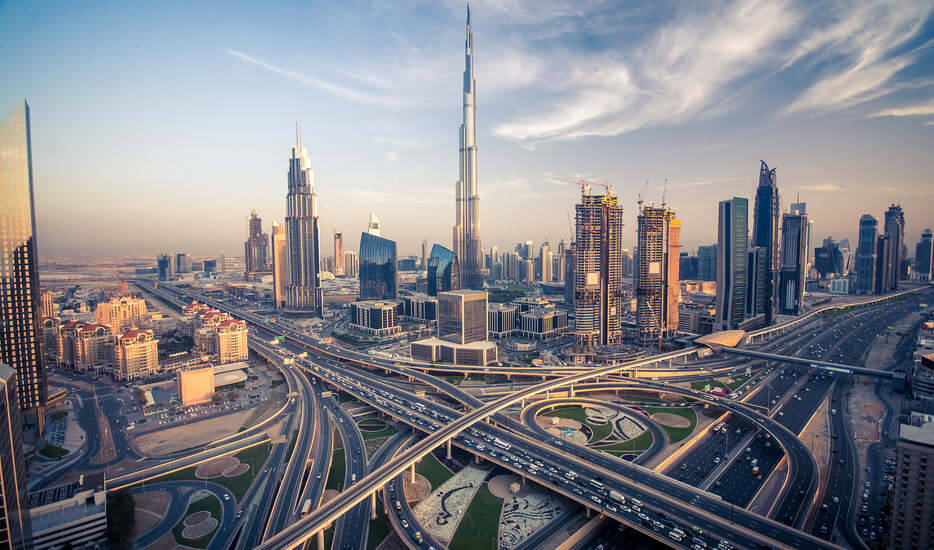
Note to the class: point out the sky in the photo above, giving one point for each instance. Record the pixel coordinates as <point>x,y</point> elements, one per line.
<point>158,126</point>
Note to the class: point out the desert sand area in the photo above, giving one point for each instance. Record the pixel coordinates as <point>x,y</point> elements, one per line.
<point>672,420</point>
<point>163,442</point>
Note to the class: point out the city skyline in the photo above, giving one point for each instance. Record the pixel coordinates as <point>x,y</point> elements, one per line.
<point>755,104</point>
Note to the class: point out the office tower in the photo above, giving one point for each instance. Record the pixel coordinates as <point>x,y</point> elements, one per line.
<point>559,263</point>
<point>424,264</point>
<point>256,248</point>
<point>884,267</point>
<point>20,330</point>
<point>528,250</point>
<point>912,490</point>
<point>793,268</point>
<point>223,262</point>
<point>351,264</point>
<point>14,512</point>
<point>570,270</point>
<point>830,259</point>
<point>924,254</point>
<point>339,270</point>
<point>301,233</point>
<point>755,273</point>
<point>467,243</point>
<point>164,267</point>
<point>136,355</point>
<point>372,227</point>
<point>656,274</point>
<point>47,305</point>
<point>121,314</point>
<point>732,256</point>
<point>707,263</point>
<point>765,234</point>
<point>866,255</point>
<point>627,262</point>
<point>544,262</point>
<point>598,277</point>
<point>687,271</point>
<point>527,270</point>
<point>209,266</point>
<point>895,231</point>
<point>182,263</point>
<point>378,268</point>
<point>443,271</point>
<point>462,316</point>
<point>280,265</point>
<point>494,255</point>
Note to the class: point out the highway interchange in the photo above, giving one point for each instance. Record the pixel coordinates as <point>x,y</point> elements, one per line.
<point>306,362</point>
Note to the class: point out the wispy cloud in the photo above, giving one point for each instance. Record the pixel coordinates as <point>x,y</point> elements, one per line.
<point>345,92</point>
<point>392,156</point>
<point>910,110</point>
<point>822,187</point>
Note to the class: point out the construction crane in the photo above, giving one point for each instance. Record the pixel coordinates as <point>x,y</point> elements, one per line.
<point>645,187</point>
<point>124,288</point>
<point>570,226</point>
<point>585,185</point>
<point>665,193</point>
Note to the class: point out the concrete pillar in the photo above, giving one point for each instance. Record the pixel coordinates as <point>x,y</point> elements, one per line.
<point>373,505</point>
<point>476,459</point>
<point>321,539</point>
<point>571,393</point>
<point>586,507</point>
<point>547,394</point>
<point>522,403</point>
<point>412,473</point>
<point>449,449</point>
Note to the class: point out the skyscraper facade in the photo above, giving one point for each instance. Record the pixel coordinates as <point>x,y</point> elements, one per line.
<point>598,277</point>
<point>164,267</point>
<point>732,257</point>
<point>467,244</point>
<point>545,262</point>
<point>280,265</point>
<point>656,276</point>
<point>301,229</point>
<point>378,268</point>
<point>256,247</point>
<point>924,254</point>
<point>570,272</point>
<point>183,263</point>
<point>793,262</point>
<point>866,255</point>
<point>462,316</point>
<point>707,263</point>
<point>14,513</point>
<point>20,329</point>
<point>351,264</point>
<point>443,271</point>
<point>895,251</point>
<point>339,270</point>
<point>765,231</point>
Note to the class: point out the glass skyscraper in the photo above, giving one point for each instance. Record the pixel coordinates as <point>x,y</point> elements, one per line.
<point>301,230</point>
<point>14,514</point>
<point>378,268</point>
<point>866,255</point>
<point>19,277</point>
<point>765,234</point>
<point>732,256</point>
<point>443,270</point>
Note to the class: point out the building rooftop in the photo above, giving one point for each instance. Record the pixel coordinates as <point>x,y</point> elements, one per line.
<point>922,434</point>
<point>63,492</point>
<point>435,341</point>
<point>464,292</point>
<point>376,303</point>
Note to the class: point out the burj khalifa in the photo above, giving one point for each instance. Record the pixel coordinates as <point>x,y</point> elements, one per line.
<point>467,244</point>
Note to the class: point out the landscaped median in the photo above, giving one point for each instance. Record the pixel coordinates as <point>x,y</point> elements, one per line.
<point>53,451</point>
<point>678,423</point>
<point>200,522</point>
<point>233,472</point>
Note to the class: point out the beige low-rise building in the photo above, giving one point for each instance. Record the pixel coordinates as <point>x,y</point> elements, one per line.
<point>436,350</point>
<point>195,386</point>
<point>136,355</point>
<point>122,314</point>
<point>50,340</point>
<point>67,335</point>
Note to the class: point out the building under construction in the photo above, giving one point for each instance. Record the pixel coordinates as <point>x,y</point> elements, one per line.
<point>598,275</point>
<point>657,287</point>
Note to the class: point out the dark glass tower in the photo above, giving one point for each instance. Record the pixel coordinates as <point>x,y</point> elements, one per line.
<point>895,251</point>
<point>794,262</point>
<point>443,271</point>
<point>924,253</point>
<point>19,276</point>
<point>14,514</point>
<point>256,247</point>
<point>378,268</point>
<point>765,235</point>
<point>866,255</point>
<point>732,259</point>
<point>301,229</point>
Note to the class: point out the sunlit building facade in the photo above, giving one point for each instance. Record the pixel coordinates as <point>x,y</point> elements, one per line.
<point>301,228</point>
<point>378,268</point>
<point>16,531</point>
<point>280,265</point>
<point>443,270</point>
<point>598,277</point>
<point>136,355</point>
<point>732,254</point>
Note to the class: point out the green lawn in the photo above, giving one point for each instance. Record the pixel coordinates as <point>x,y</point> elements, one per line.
<point>575,413</point>
<point>635,445</point>
<point>456,380</point>
<point>288,454</point>
<point>600,431</point>
<point>255,456</point>
<point>59,415</point>
<point>385,432</point>
<point>676,434</point>
<point>701,384</point>
<point>739,380</point>
<point>479,529</point>
<point>379,527</point>
<point>209,503</point>
<point>336,473</point>
<point>433,471</point>
<point>53,451</point>
<point>376,422</point>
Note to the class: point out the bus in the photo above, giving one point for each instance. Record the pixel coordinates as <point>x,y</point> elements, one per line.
<point>306,507</point>
<point>501,444</point>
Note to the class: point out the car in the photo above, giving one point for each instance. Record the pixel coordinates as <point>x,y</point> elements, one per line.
<point>836,500</point>
<point>226,496</point>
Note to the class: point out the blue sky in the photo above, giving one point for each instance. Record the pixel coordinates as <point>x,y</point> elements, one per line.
<point>158,126</point>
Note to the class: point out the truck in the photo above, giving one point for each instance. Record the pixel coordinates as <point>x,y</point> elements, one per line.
<point>353,478</point>
<point>501,444</point>
<point>617,497</point>
<point>306,507</point>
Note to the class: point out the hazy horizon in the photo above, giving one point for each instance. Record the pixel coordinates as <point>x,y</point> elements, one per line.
<point>158,128</point>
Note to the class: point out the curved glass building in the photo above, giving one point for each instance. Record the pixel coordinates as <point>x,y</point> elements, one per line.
<point>443,271</point>
<point>378,269</point>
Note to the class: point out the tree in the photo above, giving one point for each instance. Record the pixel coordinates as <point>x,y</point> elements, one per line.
<point>121,519</point>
